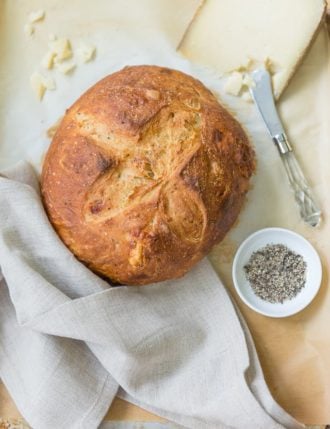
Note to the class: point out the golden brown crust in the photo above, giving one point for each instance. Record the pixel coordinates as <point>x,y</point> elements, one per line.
<point>145,174</point>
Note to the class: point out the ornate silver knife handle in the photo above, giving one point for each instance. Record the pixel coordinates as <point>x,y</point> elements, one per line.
<point>262,94</point>
<point>309,210</point>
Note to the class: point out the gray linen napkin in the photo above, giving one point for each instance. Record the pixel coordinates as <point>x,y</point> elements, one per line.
<point>68,340</point>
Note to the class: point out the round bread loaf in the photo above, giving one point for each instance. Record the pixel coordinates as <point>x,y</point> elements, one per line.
<point>145,173</point>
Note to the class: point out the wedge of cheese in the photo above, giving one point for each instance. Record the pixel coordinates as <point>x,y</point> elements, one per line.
<point>239,35</point>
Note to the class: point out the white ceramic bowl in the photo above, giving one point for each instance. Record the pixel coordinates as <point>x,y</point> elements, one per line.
<point>293,241</point>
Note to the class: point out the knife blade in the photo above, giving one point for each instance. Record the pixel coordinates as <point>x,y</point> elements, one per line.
<point>261,91</point>
<point>262,94</point>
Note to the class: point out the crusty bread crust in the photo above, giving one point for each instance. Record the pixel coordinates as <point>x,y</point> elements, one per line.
<point>145,173</point>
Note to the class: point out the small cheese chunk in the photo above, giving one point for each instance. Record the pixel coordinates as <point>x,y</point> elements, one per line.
<point>85,53</point>
<point>28,29</point>
<point>271,66</point>
<point>248,81</point>
<point>36,16</point>
<point>38,85</point>
<point>66,67</point>
<point>247,64</point>
<point>246,96</point>
<point>48,60</point>
<point>49,83</point>
<point>61,49</point>
<point>234,83</point>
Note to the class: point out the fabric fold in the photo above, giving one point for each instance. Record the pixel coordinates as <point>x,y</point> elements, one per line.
<point>177,348</point>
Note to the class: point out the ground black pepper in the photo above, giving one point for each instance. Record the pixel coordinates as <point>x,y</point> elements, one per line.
<point>276,273</point>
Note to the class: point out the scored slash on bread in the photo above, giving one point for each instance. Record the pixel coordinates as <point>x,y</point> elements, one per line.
<point>145,173</point>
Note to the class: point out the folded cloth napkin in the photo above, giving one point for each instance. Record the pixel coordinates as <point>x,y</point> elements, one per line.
<point>68,340</point>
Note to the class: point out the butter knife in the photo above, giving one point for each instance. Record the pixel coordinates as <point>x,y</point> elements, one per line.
<point>262,94</point>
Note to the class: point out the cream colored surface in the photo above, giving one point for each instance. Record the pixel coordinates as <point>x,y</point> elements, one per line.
<point>279,31</point>
<point>294,352</point>
<point>117,28</point>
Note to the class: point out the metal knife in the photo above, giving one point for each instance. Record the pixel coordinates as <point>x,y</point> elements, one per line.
<point>262,94</point>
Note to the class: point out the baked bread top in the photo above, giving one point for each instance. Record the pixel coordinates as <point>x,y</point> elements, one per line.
<point>146,172</point>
